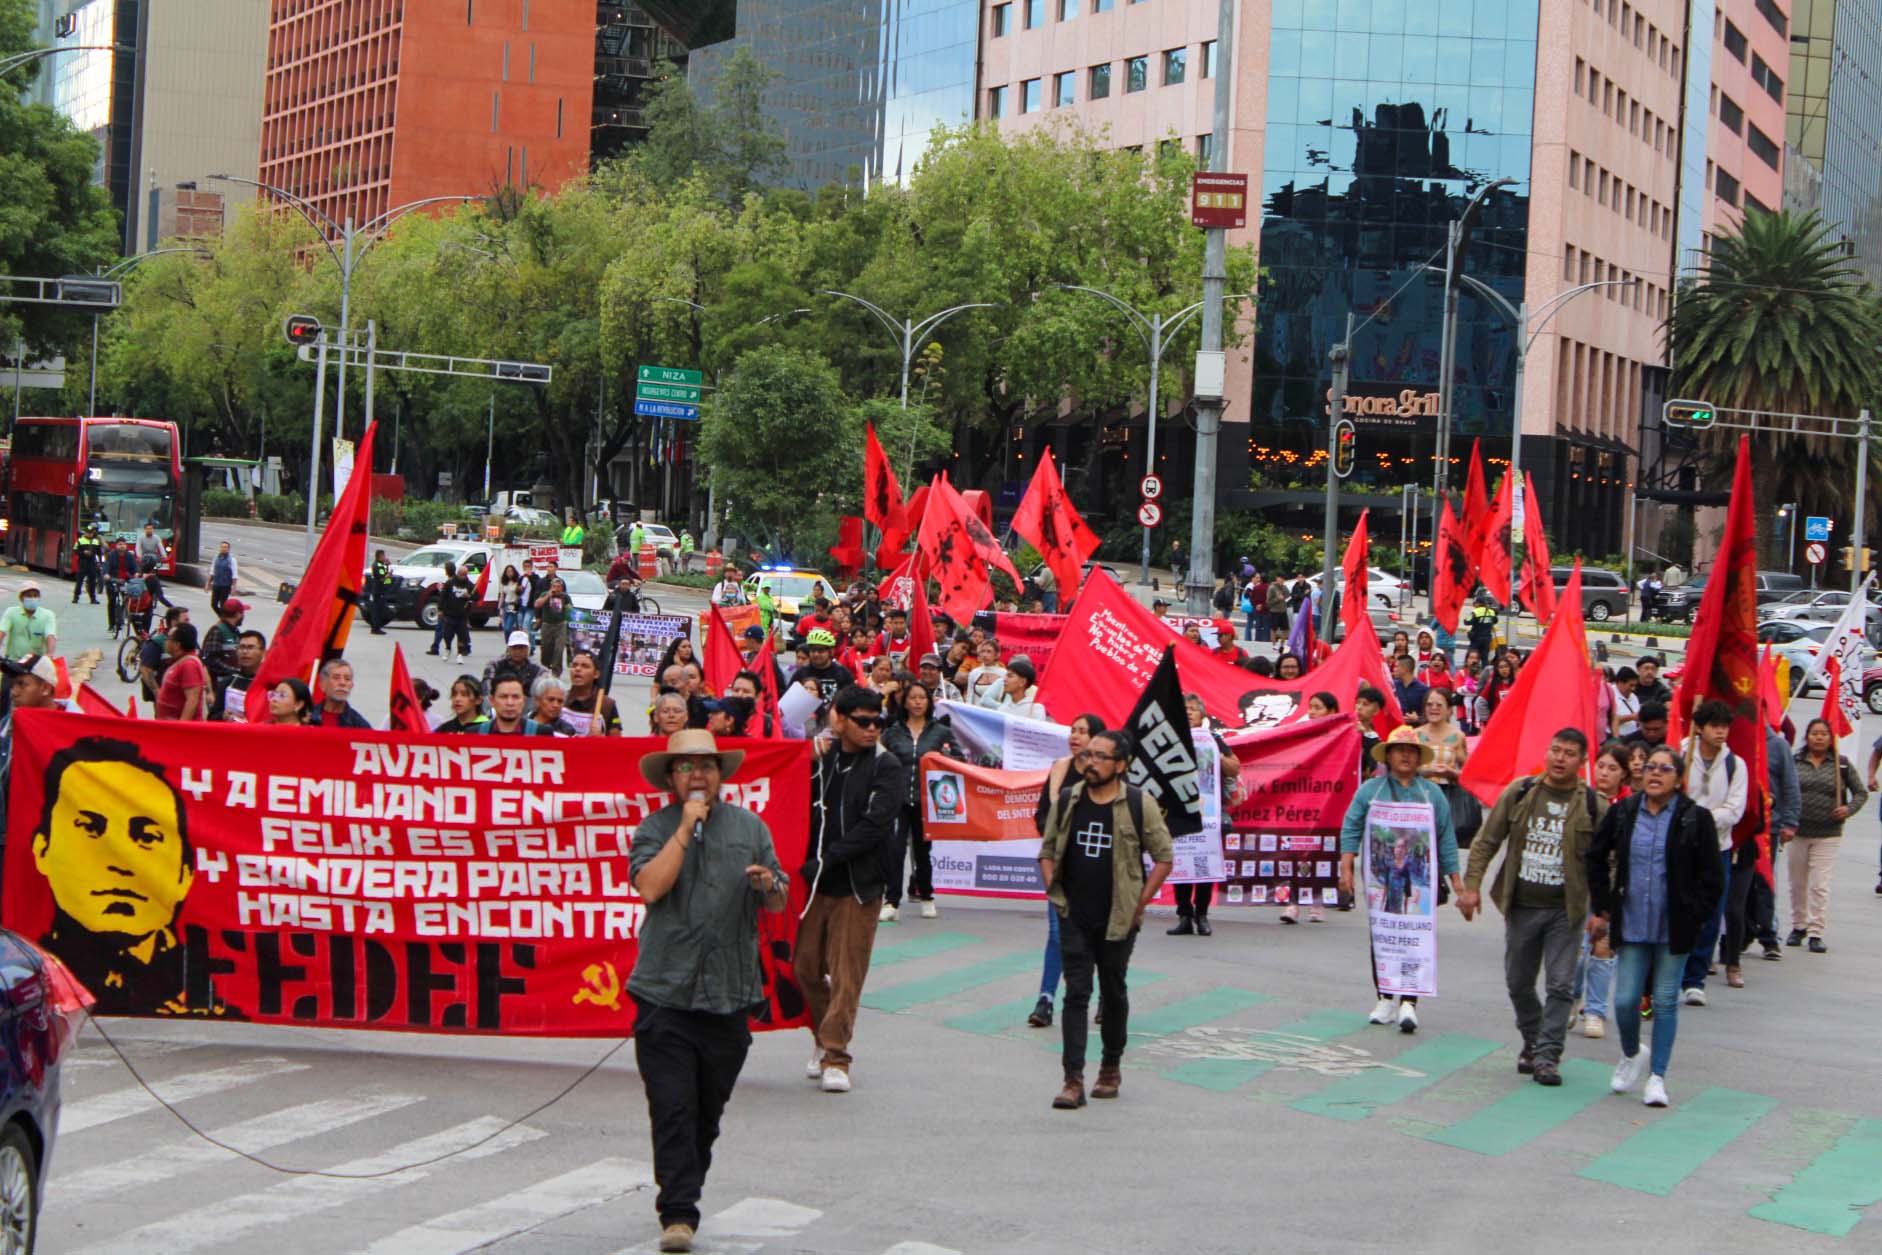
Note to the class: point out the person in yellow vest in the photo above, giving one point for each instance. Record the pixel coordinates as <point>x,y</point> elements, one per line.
<point>573,534</point>
<point>88,549</point>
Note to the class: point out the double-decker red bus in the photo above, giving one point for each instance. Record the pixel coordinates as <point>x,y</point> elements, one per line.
<point>63,473</point>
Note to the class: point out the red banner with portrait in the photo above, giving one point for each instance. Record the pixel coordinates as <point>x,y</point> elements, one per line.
<point>359,880</point>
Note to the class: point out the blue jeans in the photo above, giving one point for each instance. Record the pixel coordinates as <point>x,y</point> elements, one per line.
<point>1049,978</point>
<point>1707,942</point>
<point>1635,965</point>
<point>1594,980</point>
<point>1050,601</point>
<point>512,619</point>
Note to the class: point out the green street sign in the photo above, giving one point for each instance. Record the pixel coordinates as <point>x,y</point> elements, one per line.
<point>666,392</point>
<point>671,375</point>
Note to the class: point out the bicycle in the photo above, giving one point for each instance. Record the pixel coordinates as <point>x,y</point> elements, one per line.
<point>134,629</point>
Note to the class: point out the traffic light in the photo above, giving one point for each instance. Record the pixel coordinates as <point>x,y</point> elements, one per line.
<point>1867,556</point>
<point>84,290</point>
<point>528,372</point>
<point>1345,447</point>
<point>1852,556</point>
<point>301,330</point>
<point>1689,414</point>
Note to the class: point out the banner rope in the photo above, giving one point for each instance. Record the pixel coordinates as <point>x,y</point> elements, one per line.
<point>193,1127</point>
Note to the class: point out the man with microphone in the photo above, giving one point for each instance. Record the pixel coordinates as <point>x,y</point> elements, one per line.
<point>704,867</point>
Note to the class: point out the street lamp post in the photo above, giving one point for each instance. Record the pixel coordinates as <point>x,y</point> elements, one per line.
<point>18,59</point>
<point>354,243</point>
<point>1457,242</point>
<point>1155,331</point>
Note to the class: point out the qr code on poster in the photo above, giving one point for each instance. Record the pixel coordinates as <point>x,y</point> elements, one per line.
<point>1411,969</point>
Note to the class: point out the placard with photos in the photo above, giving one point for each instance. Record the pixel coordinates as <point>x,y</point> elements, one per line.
<point>1280,869</point>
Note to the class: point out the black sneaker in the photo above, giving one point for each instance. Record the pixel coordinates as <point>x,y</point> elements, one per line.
<point>1525,1062</point>
<point>1796,938</point>
<point>1772,952</point>
<point>1817,946</point>
<point>1185,927</point>
<point>1546,1074</point>
<point>1041,1016</point>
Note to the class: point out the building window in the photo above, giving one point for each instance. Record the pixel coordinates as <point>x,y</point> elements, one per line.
<point>1029,96</point>
<point>1035,14</point>
<point>996,102</point>
<point>1581,74</point>
<point>1574,169</point>
<point>1752,202</point>
<point>1136,74</point>
<point>1761,145</point>
<point>1068,9</point>
<point>496,111</point>
<point>558,117</point>
<point>1208,59</point>
<point>1101,6</point>
<point>1064,89</point>
<point>1726,186</point>
<point>1100,82</point>
<point>1002,20</point>
<point>1775,16</point>
<point>1735,42</point>
<point>1730,114</point>
<point>1175,66</point>
<point>1762,75</point>
<point>1205,149</point>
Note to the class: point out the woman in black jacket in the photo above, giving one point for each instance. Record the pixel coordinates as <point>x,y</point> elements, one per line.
<point>1654,879</point>
<point>914,732</point>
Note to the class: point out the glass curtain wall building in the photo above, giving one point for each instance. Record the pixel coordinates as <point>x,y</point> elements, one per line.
<point>1835,119</point>
<point>1384,119</point>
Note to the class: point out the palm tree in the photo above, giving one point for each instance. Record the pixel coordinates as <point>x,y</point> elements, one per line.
<point>1780,321</point>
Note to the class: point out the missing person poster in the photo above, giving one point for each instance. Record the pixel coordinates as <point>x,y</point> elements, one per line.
<point>644,637</point>
<point>1400,880</point>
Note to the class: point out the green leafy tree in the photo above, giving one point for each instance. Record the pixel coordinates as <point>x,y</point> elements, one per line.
<point>1780,321</point>
<point>785,445</point>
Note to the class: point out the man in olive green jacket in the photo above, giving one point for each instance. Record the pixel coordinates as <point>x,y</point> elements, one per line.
<point>1091,859</point>
<point>1542,890</point>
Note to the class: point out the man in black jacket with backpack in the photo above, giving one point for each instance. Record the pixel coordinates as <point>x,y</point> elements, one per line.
<point>857,789</point>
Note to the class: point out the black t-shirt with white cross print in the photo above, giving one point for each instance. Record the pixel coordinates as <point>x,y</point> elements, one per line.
<point>1088,870</point>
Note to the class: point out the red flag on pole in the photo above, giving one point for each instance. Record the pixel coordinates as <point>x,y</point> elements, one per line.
<point>1493,553</point>
<point>1833,698</point>
<point>482,591</point>
<point>320,614</point>
<point>1476,520</point>
<point>91,702</point>
<point>765,663</point>
<point>1354,598</point>
<point>1452,570</point>
<point>1538,585</point>
<point>407,714</point>
<point>722,660</point>
<point>848,550</point>
<point>882,496</point>
<point>1047,519</point>
<point>959,550</point>
<point>920,617</point>
<point>1554,690</point>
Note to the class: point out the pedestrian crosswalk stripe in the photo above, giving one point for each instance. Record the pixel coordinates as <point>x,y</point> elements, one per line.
<point>225,1220</point>
<point>1528,1111</point>
<point>1223,1075</point>
<point>762,1218</point>
<point>476,1227</point>
<point>262,1133</point>
<point>119,1104</point>
<point>1355,1097</point>
<point>913,993</point>
<point>1674,1146</point>
<point>1012,1015</point>
<point>919,1248</point>
<point>1829,1194</point>
<point>919,948</point>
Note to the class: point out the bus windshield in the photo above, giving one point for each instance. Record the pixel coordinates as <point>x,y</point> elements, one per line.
<point>123,505</point>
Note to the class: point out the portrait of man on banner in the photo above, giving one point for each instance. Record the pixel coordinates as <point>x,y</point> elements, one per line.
<point>112,841</point>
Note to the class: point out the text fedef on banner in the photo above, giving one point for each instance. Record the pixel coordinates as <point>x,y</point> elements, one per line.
<point>373,880</point>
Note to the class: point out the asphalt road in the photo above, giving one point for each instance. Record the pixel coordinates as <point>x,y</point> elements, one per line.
<point>1259,1112</point>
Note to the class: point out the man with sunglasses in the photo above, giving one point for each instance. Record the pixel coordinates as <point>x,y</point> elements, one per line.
<point>857,791</point>
<point>1091,859</point>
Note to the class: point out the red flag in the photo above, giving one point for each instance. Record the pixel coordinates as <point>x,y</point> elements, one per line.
<point>91,702</point>
<point>407,714</point>
<point>1353,600</point>
<point>722,660</point>
<point>320,614</point>
<point>882,499</point>
<point>1722,653</point>
<point>1554,690</point>
<point>765,663</point>
<point>959,550</point>
<point>848,550</point>
<point>1770,695</point>
<point>483,582</point>
<point>1538,584</point>
<point>1453,570</point>
<point>1047,519</point>
<point>920,618</point>
<point>1833,698</point>
<point>1476,520</point>
<point>130,708</point>
<point>1493,554</point>
<point>62,688</point>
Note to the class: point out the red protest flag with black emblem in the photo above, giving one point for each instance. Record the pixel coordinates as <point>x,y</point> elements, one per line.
<point>1476,519</point>
<point>920,617</point>
<point>1047,519</point>
<point>1354,597</point>
<point>959,550</point>
<point>1493,554</point>
<point>882,496</point>
<point>319,616</point>
<point>407,714</point>
<point>1538,585</point>
<point>1452,571</point>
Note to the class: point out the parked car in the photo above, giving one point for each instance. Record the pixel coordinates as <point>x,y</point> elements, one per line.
<point>1785,631</point>
<point>1872,688</point>
<point>1382,587</point>
<point>1604,593</point>
<point>1679,603</point>
<point>42,1005</point>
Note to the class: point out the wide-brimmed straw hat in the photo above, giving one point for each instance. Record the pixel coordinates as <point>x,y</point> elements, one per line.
<point>1400,736</point>
<point>687,743</point>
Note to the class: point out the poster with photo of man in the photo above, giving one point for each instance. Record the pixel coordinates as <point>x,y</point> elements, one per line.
<point>1401,887</point>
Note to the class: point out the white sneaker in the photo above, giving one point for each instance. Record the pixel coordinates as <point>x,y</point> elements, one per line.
<point>836,1081</point>
<point>1655,1095</point>
<point>889,914</point>
<point>814,1069</point>
<point>1694,997</point>
<point>1407,1017</point>
<point>1594,1026</point>
<point>928,911</point>
<point>1381,1013</point>
<point>1627,1073</point>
